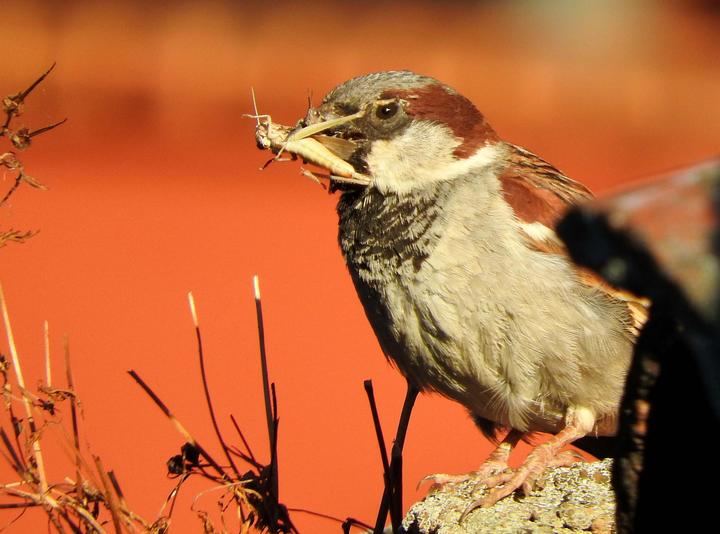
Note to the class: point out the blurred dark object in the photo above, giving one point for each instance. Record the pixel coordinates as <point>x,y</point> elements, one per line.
<point>661,241</point>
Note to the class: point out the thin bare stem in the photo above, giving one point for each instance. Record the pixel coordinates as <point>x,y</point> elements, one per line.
<point>351,521</point>
<point>58,525</point>
<point>178,425</point>
<point>245,458</point>
<point>229,487</point>
<point>245,442</point>
<point>73,412</point>
<point>116,486</point>
<point>14,421</point>
<point>48,366</point>
<point>385,502</point>
<point>86,516</point>
<point>35,438</point>
<point>378,429</point>
<point>274,468</point>
<point>46,128</point>
<point>37,82</point>
<point>391,471</point>
<point>19,98</point>
<point>206,387</point>
<point>128,514</point>
<point>264,367</point>
<point>5,506</point>
<point>109,495</point>
<point>16,462</point>
<point>18,181</point>
<point>172,497</point>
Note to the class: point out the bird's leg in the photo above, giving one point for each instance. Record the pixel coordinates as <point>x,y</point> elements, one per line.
<point>578,423</point>
<point>496,463</point>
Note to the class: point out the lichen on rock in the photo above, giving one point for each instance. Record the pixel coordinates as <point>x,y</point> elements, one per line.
<point>571,500</point>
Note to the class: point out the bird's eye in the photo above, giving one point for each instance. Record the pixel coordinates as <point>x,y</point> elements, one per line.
<point>387,111</point>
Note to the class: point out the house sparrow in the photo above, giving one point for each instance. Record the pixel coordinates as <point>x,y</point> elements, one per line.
<point>447,232</point>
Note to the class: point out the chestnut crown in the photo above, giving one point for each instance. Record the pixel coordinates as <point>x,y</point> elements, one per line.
<point>393,99</point>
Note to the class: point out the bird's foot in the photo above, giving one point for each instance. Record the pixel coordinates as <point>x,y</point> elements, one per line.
<point>488,470</point>
<point>524,477</point>
<point>495,464</point>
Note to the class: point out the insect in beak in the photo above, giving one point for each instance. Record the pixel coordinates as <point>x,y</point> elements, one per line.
<point>306,143</point>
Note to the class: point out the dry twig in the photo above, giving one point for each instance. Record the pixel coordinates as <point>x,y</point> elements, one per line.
<point>19,139</point>
<point>84,503</point>
<point>253,492</point>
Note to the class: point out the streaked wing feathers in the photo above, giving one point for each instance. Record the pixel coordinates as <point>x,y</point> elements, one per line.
<point>539,195</point>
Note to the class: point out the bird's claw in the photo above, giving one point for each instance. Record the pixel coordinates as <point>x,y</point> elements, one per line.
<point>524,478</point>
<point>440,479</point>
<point>489,469</point>
<point>501,486</point>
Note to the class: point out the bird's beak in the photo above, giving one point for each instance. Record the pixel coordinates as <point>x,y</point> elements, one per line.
<point>319,127</point>
<point>338,146</point>
<point>309,143</point>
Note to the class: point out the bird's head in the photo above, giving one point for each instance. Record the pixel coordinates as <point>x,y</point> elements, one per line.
<point>404,130</point>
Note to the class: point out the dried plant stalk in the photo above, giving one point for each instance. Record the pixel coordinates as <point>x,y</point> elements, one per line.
<point>82,504</point>
<point>27,403</point>
<point>18,139</point>
<point>254,492</point>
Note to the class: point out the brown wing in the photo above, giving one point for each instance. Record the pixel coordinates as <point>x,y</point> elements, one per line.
<point>540,194</point>
<point>536,190</point>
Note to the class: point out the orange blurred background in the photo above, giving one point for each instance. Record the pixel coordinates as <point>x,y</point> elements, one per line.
<point>155,191</point>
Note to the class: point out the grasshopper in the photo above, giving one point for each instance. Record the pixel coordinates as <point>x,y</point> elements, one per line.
<point>306,143</point>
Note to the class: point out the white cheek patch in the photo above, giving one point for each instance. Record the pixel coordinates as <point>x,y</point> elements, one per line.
<point>422,154</point>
